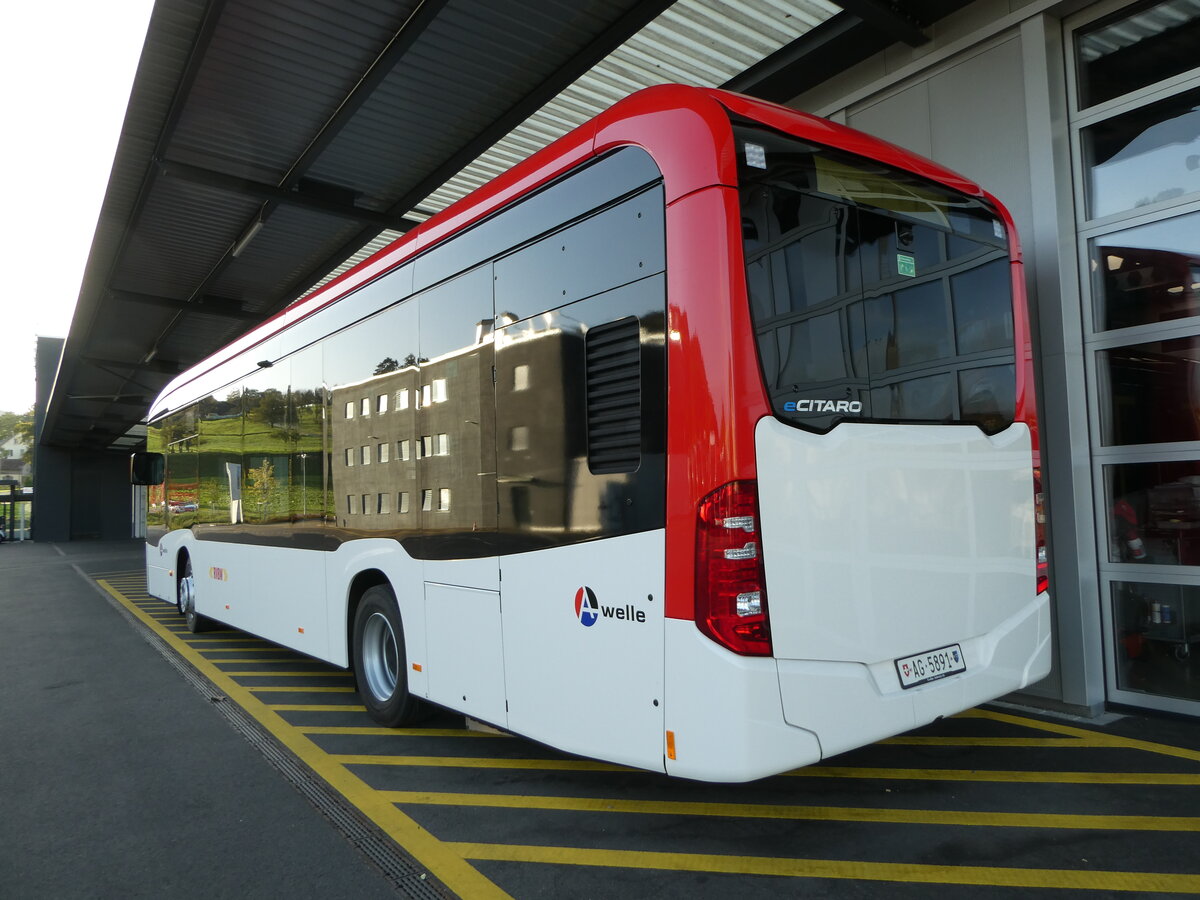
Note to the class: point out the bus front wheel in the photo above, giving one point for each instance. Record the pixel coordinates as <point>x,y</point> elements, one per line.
<point>379,660</point>
<point>185,598</point>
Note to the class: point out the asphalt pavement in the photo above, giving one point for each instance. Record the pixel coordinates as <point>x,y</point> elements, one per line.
<point>118,778</point>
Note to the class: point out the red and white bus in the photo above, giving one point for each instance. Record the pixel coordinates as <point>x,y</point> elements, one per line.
<point>702,441</point>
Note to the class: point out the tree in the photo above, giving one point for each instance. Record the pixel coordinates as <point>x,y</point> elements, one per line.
<point>23,429</point>
<point>8,425</point>
<point>262,488</point>
<point>272,407</point>
<point>387,364</point>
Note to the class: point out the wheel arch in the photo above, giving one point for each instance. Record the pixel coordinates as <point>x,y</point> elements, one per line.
<point>359,585</point>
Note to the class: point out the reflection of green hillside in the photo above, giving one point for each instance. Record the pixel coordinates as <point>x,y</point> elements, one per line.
<point>261,434</point>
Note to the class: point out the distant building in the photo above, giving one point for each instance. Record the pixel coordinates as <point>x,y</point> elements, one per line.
<point>11,463</point>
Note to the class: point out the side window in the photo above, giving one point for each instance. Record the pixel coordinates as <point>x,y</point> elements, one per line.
<point>268,441</point>
<point>582,450</point>
<point>219,423</point>
<point>181,444</point>
<point>457,410</point>
<point>365,365</point>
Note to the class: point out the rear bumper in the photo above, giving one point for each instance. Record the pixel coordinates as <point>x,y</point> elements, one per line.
<point>735,718</point>
<point>849,704</point>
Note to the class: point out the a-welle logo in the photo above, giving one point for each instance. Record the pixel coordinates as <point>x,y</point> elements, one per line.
<point>588,609</point>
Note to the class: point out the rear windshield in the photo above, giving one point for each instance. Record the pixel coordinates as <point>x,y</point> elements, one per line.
<point>874,294</point>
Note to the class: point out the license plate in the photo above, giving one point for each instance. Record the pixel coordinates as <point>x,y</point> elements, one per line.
<point>931,665</point>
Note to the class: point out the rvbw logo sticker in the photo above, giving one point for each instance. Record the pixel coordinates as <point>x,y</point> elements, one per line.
<point>588,609</point>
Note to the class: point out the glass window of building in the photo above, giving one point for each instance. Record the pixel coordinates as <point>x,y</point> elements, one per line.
<point>1137,124</point>
<point>1148,155</point>
<point>1146,275</point>
<point>1135,47</point>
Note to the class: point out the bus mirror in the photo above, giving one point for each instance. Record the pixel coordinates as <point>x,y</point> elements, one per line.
<point>147,468</point>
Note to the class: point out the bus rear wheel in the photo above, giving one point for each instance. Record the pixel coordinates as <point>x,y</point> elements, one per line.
<point>380,666</point>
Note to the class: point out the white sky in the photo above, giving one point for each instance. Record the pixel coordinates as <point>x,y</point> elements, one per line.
<point>65,73</point>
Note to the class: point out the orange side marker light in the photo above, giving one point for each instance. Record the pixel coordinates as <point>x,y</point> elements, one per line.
<point>301,630</point>
<point>670,745</point>
<point>416,667</point>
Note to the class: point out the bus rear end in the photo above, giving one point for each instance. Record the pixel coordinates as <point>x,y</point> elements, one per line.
<point>880,561</point>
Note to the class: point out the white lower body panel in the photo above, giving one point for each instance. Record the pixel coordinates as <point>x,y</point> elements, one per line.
<point>726,713</point>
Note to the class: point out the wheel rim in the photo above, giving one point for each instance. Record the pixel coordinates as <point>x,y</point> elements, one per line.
<point>187,594</point>
<point>380,657</point>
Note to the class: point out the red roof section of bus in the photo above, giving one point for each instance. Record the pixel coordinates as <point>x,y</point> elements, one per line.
<point>671,122</point>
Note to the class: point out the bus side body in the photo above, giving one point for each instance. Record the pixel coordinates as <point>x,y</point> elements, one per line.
<point>519,417</point>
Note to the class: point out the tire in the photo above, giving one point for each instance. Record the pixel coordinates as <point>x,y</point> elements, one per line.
<point>185,598</point>
<point>380,664</point>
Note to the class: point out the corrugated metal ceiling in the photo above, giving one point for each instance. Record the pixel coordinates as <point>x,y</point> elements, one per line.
<point>697,42</point>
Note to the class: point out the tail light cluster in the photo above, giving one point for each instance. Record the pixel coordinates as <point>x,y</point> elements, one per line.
<point>1039,518</point>
<point>731,587</point>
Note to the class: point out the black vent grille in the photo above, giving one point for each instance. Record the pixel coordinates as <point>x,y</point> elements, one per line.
<point>614,396</point>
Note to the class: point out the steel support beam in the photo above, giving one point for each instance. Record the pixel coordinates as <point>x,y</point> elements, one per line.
<point>304,194</point>
<point>210,306</point>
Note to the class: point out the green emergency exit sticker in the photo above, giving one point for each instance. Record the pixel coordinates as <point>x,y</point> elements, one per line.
<point>906,265</point>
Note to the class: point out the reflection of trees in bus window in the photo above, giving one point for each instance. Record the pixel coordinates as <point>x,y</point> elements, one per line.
<point>269,440</point>
<point>220,435</point>
<point>306,434</point>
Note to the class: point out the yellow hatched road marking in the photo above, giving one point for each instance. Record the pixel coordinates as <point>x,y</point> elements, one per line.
<point>1016,776</point>
<point>442,860</point>
<point>299,689</point>
<point>267,662</point>
<point>313,707</point>
<point>196,639</point>
<point>183,630</point>
<point>819,771</point>
<point>1007,742</point>
<point>335,674</point>
<point>398,732</point>
<point>1000,876</point>
<point>207,650</point>
<point>1070,730</point>
<point>481,762</point>
<point>803,813</point>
